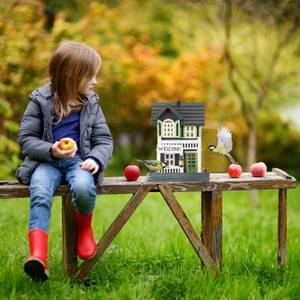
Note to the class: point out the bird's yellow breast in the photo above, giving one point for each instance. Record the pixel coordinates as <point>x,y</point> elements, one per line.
<point>220,149</point>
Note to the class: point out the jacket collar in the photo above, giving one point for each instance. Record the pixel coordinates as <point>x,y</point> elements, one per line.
<point>46,92</point>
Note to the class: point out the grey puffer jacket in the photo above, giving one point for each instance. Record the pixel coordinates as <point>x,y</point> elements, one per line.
<point>35,134</point>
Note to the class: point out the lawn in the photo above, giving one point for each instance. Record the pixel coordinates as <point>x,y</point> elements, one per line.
<point>151,258</point>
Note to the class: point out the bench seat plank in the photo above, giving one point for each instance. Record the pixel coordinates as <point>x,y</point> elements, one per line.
<point>119,185</point>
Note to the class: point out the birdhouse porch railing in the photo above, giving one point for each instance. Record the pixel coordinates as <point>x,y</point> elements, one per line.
<point>172,170</point>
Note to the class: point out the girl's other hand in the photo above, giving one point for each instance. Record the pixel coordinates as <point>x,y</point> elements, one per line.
<point>90,165</point>
<point>59,153</point>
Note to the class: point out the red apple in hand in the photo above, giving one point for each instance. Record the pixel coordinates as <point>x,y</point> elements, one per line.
<point>258,169</point>
<point>235,170</point>
<point>132,172</point>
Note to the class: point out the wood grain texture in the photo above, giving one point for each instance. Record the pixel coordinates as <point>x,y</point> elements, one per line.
<point>211,225</point>
<point>112,231</point>
<point>186,225</point>
<point>282,226</point>
<point>119,185</point>
<point>69,233</point>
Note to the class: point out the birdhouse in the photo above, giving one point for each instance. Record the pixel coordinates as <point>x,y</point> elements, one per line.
<point>179,139</point>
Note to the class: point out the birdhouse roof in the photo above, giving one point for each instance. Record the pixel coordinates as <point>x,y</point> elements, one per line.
<point>191,113</point>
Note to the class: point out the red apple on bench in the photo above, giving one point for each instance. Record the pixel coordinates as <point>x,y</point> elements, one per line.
<point>235,170</point>
<point>132,172</point>
<point>258,169</point>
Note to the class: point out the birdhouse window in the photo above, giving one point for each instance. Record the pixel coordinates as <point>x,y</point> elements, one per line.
<point>168,128</point>
<point>190,131</point>
<point>170,159</point>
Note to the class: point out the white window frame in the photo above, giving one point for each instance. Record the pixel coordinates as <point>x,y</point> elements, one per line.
<point>190,131</point>
<point>170,159</point>
<point>168,128</point>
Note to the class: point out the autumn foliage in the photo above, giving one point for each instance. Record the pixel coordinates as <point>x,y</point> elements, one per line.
<point>141,64</point>
<point>151,51</point>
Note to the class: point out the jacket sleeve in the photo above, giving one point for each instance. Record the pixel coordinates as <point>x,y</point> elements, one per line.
<point>101,141</point>
<point>31,131</point>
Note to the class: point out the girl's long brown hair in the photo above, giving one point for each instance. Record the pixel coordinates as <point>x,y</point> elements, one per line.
<point>71,68</point>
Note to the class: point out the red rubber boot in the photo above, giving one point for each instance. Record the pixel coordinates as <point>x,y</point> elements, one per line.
<point>36,264</point>
<point>86,245</point>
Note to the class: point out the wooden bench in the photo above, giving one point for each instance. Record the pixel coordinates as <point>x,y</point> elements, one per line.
<point>208,245</point>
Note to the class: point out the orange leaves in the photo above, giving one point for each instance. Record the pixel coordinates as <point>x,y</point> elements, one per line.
<point>135,70</point>
<point>140,62</point>
<point>192,75</point>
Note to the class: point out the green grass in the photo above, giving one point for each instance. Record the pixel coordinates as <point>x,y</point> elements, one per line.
<point>151,258</point>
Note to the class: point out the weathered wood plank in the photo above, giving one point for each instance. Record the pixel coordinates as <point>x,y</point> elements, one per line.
<point>185,224</point>
<point>112,231</point>
<point>211,225</point>
<point>69,232</point>
<point>282,226</point>
<point>119,185</point>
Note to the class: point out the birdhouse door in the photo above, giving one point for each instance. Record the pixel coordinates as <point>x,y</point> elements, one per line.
<point>191,162</point>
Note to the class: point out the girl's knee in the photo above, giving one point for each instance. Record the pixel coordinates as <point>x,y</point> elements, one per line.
<point>84,197</point>
<point>84,189</point>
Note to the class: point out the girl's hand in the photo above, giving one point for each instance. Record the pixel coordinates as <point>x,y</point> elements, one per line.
<point>59,153</point>
<point>90,165</point>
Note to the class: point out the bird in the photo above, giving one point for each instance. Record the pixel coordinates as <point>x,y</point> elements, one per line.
<point>153,165</point>
<point>224,145</point>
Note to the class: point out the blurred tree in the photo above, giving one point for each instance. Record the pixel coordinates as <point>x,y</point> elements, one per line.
<point>278,143</point>
<point>137,70</point>
<point>145,53</point>
<point>74,10</point>
<point>254,81</point>
<point>152,51</point>
<point>22,53</point>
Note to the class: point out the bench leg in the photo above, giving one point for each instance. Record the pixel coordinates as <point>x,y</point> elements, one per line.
<point>211,225</point>
<point>186,225</point>
<point>112,231</point>
<point>69,232</point>
<point>282,226</point>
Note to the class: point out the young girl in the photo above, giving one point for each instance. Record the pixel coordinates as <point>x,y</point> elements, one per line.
<point>66,107</point>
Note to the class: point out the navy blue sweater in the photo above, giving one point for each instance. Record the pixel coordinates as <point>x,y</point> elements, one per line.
<point>68,127</point>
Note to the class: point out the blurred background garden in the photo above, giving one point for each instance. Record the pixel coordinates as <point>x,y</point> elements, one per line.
<point>241,58</point>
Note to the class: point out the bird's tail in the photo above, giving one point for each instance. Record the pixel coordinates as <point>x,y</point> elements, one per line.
<point>139,160</point>
<point>231,158</point>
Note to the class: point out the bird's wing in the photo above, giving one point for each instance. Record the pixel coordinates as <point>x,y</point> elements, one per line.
<point>224,138</point>
<point>151,162</point>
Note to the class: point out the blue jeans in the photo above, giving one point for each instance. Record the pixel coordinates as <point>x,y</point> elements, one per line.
<point>45,180</point>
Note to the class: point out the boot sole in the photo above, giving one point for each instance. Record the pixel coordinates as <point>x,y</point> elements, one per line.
<point>36,270</point>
